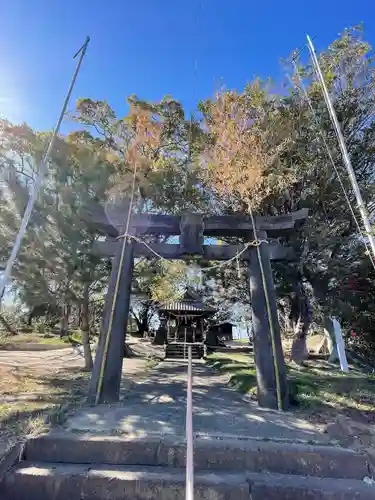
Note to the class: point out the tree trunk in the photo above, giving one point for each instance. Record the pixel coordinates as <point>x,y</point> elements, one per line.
<point>7,326</point>
<point>160,335</point>
<point>64,323</point>
<point>79,316</point>
<point>85,326</point>
<point>142,327</point>
<point>142,322</point>
<point>299,351</point>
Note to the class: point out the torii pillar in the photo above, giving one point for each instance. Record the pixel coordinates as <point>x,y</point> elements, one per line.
<point>105,380</point>
<point>268,352</point>
<point>271,372</point>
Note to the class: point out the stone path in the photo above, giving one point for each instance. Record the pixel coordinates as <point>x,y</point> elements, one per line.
<point>156,404</point>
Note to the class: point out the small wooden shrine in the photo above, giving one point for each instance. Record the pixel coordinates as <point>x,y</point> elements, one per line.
<point>185,323</point>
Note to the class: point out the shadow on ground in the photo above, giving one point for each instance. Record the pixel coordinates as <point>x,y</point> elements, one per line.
<point>316,389</point>
<point>156,404</point>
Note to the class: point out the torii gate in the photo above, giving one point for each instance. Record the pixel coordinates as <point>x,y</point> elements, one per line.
<point>269,361</point>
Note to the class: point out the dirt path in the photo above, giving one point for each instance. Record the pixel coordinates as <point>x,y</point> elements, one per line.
<point>42,361</point>
<point>36,383</point>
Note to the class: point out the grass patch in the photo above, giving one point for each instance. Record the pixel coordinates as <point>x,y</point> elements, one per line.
<point>32,395</point>
<point>41,338</point>
<point>34,338</point>
<point>41,389</point>
<point>51,340</point>
<point>240,368</point>
<point>319,385</point>
<point>316,386</point>
<point>31,401</point>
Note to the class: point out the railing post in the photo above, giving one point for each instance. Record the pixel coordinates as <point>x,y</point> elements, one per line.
<point>189,431</point>
<point>185,345</point>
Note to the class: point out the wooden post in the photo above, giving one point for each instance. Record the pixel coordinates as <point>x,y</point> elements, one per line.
<point>106,374</point>
<point>270,366</point>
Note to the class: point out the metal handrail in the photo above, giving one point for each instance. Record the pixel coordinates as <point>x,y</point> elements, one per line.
<point>189,431</point>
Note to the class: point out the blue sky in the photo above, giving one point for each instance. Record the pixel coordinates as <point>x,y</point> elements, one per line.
<point>185,48</point>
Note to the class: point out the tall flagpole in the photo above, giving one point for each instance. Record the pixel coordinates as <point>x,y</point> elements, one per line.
<point>344,150</point>
<point>40,177</point>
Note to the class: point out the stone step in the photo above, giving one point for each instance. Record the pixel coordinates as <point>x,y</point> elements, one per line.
<point>211,454</point>
<point>265,486</point>
<point>41,481</point>
<point>179,351</point>
<point>181,347</point>
<point>177,357</point>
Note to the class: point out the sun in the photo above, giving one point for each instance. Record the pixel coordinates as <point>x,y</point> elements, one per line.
<point>10,101</point>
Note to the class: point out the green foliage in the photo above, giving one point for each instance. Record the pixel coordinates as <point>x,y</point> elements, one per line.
<point>162,143</point>
<point>240,367</point>
<point>279,164</point>
<point>155,283</point>
<point>317,386</point>
<point>329,249</point>
<point>53,264</point>
<point>332,249</point>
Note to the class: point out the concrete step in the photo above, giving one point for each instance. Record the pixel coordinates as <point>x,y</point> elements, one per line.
<point>41,481</point>
<point>264,486</point>
<point>209,454</point>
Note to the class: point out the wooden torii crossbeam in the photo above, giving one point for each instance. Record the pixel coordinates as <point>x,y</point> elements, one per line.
<point>192,228</point>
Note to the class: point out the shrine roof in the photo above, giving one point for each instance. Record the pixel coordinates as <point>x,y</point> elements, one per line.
<point>190,302</point>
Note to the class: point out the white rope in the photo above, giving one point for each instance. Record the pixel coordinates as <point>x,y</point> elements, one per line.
<point>254,243</point>
<point>330,156</point>
<point>138,240</point>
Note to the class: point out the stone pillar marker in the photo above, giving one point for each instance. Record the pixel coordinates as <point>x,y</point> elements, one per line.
<point>263,350</point>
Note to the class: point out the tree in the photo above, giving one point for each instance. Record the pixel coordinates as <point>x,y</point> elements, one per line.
<point>248,159</point>
<point>157,140</point>
<point>252,151</point>
<point>157,145</point>
<point>227,290</point>
<point>155,283</point>
<point>246,156</point>
<point>331,242</point>
<point>53,268</point>
<point>296,172</point>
